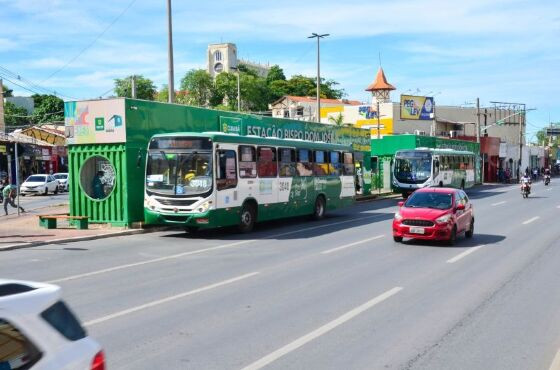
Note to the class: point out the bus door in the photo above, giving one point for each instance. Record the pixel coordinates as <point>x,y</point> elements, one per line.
<point>226,177</point>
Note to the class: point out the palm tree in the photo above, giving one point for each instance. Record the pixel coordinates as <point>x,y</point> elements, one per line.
<point>337,121</point>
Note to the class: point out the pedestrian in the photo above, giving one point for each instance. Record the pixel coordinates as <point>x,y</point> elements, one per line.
<point>10,193</point>
<point>98,191</point>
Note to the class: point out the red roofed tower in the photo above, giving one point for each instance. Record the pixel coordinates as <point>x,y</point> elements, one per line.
<point>380,88</point>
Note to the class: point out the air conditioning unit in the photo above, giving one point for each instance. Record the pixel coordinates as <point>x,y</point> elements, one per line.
<point>420,132</point>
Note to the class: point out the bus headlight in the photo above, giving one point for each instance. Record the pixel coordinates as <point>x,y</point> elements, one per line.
<point>205,206</point>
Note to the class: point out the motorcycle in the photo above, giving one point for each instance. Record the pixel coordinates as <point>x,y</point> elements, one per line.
<point>546,180</point>
<point>525,190</point>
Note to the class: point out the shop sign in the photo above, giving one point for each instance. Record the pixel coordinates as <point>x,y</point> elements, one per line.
<point>2,148</point>
<point>230,125</point>
<point>417,107</point>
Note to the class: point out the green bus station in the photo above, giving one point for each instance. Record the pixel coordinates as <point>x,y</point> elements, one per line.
<point>108,139</point>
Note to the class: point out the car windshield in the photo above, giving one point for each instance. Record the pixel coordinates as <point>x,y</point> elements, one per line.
<point>179,173</point>
<point>60,177</point>
<point>429,200</point>
<point>413,168</point>
<point>36,178</point>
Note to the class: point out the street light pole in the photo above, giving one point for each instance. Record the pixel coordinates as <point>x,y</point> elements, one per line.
<point>171,86</point>
<point>315,35</point>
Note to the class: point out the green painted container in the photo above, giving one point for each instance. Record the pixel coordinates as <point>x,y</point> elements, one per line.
<point>114,133</point>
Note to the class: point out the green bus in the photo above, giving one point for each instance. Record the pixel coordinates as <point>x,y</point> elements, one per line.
<point>423,167</point>
<point>212,179</point>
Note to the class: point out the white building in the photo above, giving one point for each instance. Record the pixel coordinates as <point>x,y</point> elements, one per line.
<point>304,108</point>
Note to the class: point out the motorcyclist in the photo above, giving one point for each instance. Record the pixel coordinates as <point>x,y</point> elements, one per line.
<point>546,175</point>
<point>526,180</point>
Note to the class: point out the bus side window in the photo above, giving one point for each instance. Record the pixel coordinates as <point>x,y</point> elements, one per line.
<point>247,162</point>
<point>335,168</point>
<point>320,166</point>
<point>348,167</point>
<point>266,162</point>
<point>226,175</point>
<point>304,166</point>
<point>287,162</point>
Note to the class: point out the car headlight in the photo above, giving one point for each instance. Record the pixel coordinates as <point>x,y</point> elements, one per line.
<point>204,206</point>
<point>398,216</point>
<point>443,219</point>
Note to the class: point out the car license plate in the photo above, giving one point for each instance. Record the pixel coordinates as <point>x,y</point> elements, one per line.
<point>417,230</point>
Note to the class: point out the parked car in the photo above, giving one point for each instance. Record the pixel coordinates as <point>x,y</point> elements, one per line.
<point>434,214</point>
<point>62,178</point>
<point>39,184</point>
<point>38,330</point>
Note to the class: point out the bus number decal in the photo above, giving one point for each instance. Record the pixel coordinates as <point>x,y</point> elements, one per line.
<point>284,186</point>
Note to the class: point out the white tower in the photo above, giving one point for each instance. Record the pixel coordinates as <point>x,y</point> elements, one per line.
<point>220,58</point>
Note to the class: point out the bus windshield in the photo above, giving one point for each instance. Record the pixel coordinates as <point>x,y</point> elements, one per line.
<point>413,169</point>
<point>179,173</point>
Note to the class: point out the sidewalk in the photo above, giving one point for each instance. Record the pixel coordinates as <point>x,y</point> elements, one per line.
<point>24,231</point>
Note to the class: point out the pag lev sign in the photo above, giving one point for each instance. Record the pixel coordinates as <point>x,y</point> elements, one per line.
<point>417,107</point>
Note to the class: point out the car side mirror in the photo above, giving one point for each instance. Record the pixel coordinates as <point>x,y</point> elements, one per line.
<point>460,207</point>
<point>401,203</point>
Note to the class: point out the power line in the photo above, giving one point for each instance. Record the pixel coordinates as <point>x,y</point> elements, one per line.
<point>91,43</point>
<point>33,87</point>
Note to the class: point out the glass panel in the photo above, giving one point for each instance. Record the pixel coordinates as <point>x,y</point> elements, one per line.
<point>413,169</point>
<point>226,176</point>
<point>16,351</point>
<point>266,165</point>
<point>97,177</point>
<point>287,165</point>
<point>172,173</point>
<point>320,167</point>
<point>247,162</point>
<point>433,200</point>
<point>335,168</point>
<point>61,318</point>
<point>348,168</point>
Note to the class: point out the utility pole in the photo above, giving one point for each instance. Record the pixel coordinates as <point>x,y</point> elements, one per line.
<point>17,174</point>
<point>171,86</point>
<point>477,120</point>
<point>378,120</point>
<point>521,119</point>
<point>2,121</point>
<point>133,86</point>
<point>315,35</point>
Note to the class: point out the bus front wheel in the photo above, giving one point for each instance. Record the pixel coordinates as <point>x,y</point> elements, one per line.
<point>248,216</point>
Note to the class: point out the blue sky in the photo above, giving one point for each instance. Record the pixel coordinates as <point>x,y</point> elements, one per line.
<point>496,50</point>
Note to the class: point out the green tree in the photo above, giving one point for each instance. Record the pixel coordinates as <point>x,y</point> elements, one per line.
<point>226,90</point>
<point>198,85</point>
<point>145,88</point>
<point>277,89</point>
<point>275,73</point>
<point>48,108</point>
<point>544,140</point>
<point>15,116</point>
<point>338,120</point>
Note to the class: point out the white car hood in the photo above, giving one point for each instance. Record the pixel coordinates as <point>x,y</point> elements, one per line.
<point>33,183</point>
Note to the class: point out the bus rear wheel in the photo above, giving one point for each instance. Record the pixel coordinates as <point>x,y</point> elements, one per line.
<point>248,216</point>
<point>319,209</point>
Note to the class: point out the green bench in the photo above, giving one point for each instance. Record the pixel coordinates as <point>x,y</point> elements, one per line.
<point>49,221</point>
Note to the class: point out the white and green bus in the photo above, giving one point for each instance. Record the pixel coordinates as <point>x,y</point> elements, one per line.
<point>209,180</point>
<point>423,167</point>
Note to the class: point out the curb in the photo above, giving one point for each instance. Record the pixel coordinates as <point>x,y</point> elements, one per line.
<point>373,197</point>
<point>80,238</point>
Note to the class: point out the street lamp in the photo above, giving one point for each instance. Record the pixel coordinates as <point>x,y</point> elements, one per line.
<point>238,89</point>
<point>171,86</point>
<point>315,35</point>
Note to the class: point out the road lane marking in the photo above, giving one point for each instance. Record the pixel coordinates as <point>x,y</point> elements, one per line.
<point>351,244</point>
<point>209,249</point>
<point>271,357</point>
<point>555,365</point>
<point>464,254</point>
<point>497,204</point>
<point>168,299</point>
<point>532,219</point>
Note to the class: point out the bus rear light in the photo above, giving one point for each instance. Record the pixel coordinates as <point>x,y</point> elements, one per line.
<point>202,221</point>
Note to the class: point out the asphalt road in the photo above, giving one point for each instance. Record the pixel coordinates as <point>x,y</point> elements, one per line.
<point>333,294</point>
<point>30,202</point>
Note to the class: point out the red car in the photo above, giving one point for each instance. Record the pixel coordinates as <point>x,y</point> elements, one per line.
<point>434,214</point>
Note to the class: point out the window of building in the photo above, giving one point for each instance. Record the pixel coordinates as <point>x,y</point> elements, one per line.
<point>348,164</point>
<point>286,113</point>
<point>287,162</point>
<point>226,174</point>
<point>97,177</point>
<point>16,350</point>
<point>304,166</point>
<point>247,162</point>
<point>320,165</point>
<point>266,162</point>
<point>299,111</point>
<point>218,56</point>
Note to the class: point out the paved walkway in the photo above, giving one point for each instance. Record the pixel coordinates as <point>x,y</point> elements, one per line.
<point>25,230</point>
